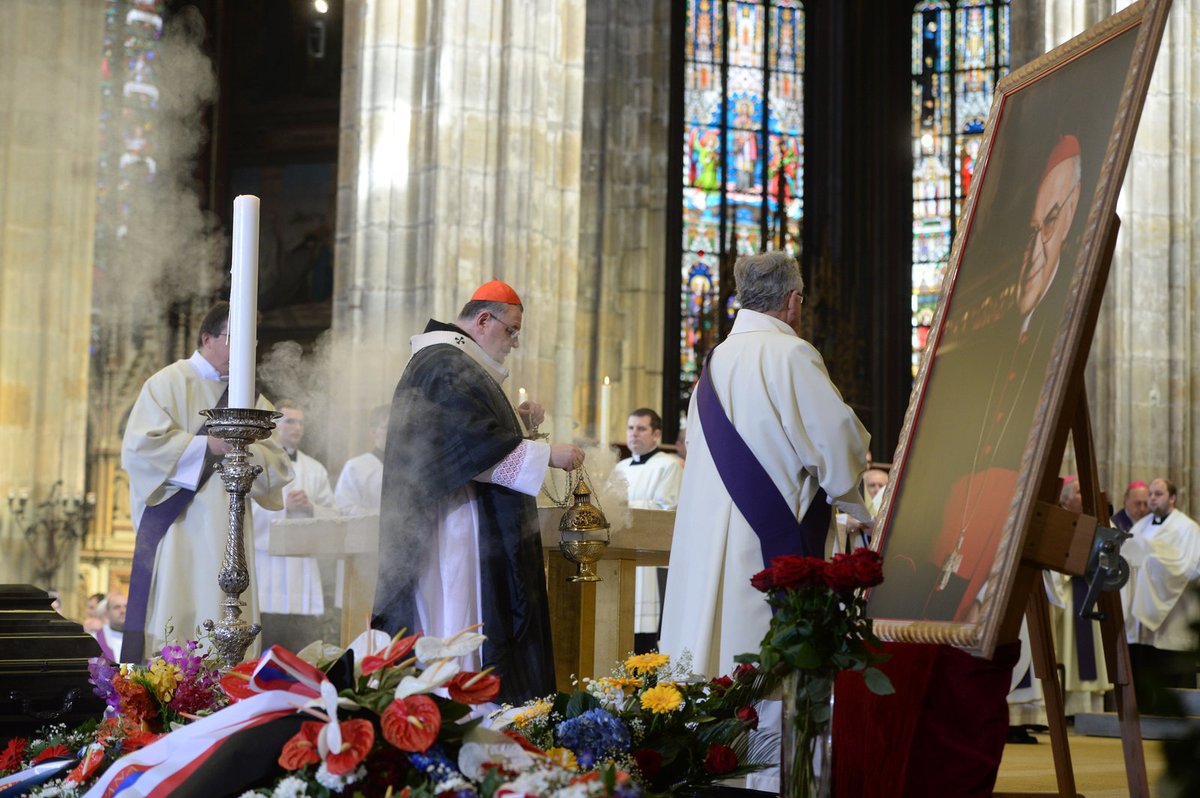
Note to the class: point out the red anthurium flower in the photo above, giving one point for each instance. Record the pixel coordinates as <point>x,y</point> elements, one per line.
<point>720,759</point>
<point>411,724</point>
<point>474,688</point>
<point>88,767</point>
<point>521,740</point>
<point>301,750</point>
<point>236,683</point>
<point>390,655</point>
<point>53,752</point>
<point>13,755</point>
<point>135,741</point>
<point>357,738</point>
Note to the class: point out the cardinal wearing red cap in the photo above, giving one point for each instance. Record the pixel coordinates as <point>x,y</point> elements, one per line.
<point>459,540</point>
<point>983,395</point>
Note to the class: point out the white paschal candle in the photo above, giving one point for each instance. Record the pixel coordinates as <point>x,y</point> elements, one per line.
<point>605,390</point>
<point>243,302</point>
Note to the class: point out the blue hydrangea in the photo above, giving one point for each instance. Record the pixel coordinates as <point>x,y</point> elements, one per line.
<point>593,736</point>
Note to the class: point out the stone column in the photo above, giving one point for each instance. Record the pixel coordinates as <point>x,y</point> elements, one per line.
<point>459,163</point>
<point>47,208</point>
<point>1142,373</point>
<point>626,151</point>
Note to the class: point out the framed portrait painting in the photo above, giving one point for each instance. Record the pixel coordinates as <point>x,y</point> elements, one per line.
<point>1026,265</point>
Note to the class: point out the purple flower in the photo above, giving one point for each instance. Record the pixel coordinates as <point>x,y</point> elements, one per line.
<point>593,736</point>
<point>101,674</point>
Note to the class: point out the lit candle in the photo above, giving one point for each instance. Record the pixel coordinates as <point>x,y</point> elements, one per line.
<point>243,302</point>
<point>605,390</point>
<point>522,397</point>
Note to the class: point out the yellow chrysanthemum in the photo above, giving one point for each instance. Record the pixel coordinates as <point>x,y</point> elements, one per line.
<point>644,663</point>
<point>163,678</point>
<point>563,757</point>
<point>539,709</point>
<point>662,699</point>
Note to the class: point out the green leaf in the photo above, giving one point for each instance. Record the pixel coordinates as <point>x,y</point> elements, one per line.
<point>804,657</point>
<point>878,682</point>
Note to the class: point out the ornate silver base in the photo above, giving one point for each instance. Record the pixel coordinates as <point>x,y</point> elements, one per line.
<point>239,427</point>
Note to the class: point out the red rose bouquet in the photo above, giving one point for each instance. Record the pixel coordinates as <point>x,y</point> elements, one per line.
<point>818,627</point>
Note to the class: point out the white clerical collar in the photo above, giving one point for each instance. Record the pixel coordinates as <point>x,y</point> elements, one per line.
<point>754,321</point>
<point>204,369</point>
<point>467,344</point>
<point>112,635</point>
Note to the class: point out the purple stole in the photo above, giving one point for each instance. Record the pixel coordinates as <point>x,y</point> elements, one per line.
<point>156,520</point>
<point>754,494</point>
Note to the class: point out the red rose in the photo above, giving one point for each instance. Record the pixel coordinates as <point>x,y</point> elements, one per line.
<point>744,671</point>
<point>648,761</point>
<point>13,755</point>
<point>52,752</point>
<point>411,724</point>
<point>302,750</point>
<point>764,580</point>
<point>793,572</point>
<point>721,684</point>
<point>748,716</point>
<point>473,688</point>
<point>720,759</point>
<point>869,567</point>
<point>357,738</point>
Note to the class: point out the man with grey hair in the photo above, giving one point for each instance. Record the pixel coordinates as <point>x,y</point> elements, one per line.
<point>459,541</point>
<point>771,445</point>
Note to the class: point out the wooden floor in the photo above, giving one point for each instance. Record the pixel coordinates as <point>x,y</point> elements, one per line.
<point>1098,763</point>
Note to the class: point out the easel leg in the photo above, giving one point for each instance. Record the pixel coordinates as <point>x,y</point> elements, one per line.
<point>1112,628</point>
<point>1037,613</point>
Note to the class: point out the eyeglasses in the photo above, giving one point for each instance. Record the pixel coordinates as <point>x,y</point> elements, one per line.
<point>1049,221</point>
<point>513,332</point>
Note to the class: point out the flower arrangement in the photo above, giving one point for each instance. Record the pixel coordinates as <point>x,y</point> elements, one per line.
<point>674,731</point>
<point>38,765</point>
<point>819,627</point>
<point>180,684</point>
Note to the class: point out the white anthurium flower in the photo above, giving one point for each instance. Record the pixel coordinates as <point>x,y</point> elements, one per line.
<point>486,746</point>
<point>459,645</point>
<point>319,651</point>
<point>330,738</point>
<point>430,679</point>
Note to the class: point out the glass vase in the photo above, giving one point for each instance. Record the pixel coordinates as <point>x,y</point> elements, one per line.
<point>806,740</point>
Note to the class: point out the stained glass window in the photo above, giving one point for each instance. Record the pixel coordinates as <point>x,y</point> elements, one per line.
<point>743,155</point>
<point>960,49</point>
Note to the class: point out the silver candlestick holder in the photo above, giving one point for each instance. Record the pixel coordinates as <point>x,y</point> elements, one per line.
<point>239,427</point>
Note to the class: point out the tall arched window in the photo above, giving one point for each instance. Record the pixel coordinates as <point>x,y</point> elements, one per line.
<point>743,156</point>
<point>960,50</point>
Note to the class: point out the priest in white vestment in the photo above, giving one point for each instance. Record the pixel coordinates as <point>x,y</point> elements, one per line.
<point>290,594</point>
<point>1159,602</point>
<point>652,479</point>
<point>361,481</point>
<point>771,445</point>
<point>169,459</point>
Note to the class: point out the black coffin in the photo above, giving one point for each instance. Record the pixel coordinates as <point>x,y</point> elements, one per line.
<point>43,665</point>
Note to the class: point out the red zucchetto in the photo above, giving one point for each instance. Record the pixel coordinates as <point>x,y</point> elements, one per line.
<point>1067,147</point>
<point>496,291</point>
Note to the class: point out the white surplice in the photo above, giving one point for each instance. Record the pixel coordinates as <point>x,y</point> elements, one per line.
<point>292,585</point>
<point>1164,562</point>
<point>652,484</point>
<point>774,388</point>
<point>359,485</point>
<point>448,590</point>
<point>161,453</point>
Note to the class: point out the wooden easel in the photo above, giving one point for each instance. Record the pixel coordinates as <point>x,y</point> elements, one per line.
<point>1060,540</point>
